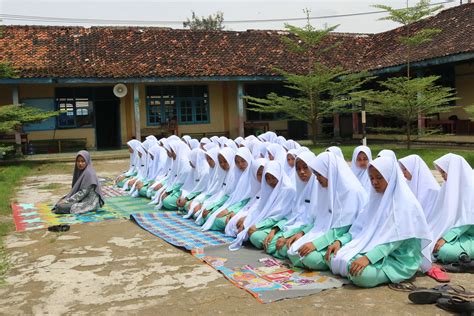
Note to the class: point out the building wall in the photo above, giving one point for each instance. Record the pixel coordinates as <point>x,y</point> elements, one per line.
<point>33,91</point>
<point>465,90</point>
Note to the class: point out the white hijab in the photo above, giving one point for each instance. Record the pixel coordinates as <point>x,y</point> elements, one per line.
<point>301,206</point>
<point>246,187</point>
<point>423,184</point>
<point>231,227</point>
<point>226,182</point>
<point>133,144</point>
<point>337,205</point>
<point>387,153</point>
<point>391,216</point>
<point>362,174</point>
<point>198,178</point>
<point>336,150</point>
<point>454,206</point>
<point>274,203</point>
<point>158,164</point>
<point>216,174</point>
<point>278,153</point>
<point>291,144</point>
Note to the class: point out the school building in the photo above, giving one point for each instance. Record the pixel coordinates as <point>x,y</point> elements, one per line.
<point>193,82</point>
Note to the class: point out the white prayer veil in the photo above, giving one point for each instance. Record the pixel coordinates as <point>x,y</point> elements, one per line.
<point>275,203</point>
<point>337,205</point>
<point>362,174</point>
<point>423,184</point>
<point>394,215</point>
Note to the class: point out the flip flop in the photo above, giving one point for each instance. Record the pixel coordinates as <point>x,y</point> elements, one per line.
<point>403,287</point>
<point>438,274</point>
<point>456,304</point>
<point>457,290</point>
<point>59,228</point>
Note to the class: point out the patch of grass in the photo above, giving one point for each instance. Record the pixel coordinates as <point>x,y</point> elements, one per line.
<point>50,186</point>
<point>10,179</point>
<point>427,154</point>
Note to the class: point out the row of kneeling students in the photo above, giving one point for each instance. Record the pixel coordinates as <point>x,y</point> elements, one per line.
<point>374,221</point>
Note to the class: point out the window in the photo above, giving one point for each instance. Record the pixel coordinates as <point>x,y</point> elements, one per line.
<point>75,107</point>
<point>187,104</point>
<point>261,90</point>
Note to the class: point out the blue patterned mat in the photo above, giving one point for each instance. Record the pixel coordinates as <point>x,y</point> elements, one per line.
<point>178,231</point>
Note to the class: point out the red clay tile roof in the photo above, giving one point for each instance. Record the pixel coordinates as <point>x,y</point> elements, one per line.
<point>133,52</point>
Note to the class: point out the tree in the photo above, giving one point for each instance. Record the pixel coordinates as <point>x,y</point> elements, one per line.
<point>409,98</point>
<point>407,16</point>
<point>13,116</point>
<point>320,92</point>
<point>404,98</point>
<point>212,23</point>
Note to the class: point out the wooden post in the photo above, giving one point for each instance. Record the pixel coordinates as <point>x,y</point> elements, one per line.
<point>336,126</point>
<point>16,101</point>
<point>136,105</point>
<point>355,123</point>
<point>364,124</point>
<point>240,107</point>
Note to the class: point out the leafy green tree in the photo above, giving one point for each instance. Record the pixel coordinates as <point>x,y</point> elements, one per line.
<point>320,92</point>
<point>213,22</point>
<point>13,116</point>
<point>407,98</point>
<point>404,98</point>
<point>406,17</point>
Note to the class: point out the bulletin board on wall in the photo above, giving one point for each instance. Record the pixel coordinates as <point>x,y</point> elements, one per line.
<point>43,104</point>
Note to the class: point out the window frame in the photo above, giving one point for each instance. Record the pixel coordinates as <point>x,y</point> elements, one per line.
<point>155,93</point>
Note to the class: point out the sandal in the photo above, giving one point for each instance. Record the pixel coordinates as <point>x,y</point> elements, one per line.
<point>457,290</point>
<point>438,274</point>
<point>59,228</point>
<point>456,304</point>
<point>403,287</point>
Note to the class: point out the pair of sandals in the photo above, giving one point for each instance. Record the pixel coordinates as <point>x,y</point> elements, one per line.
<point>452,298</point>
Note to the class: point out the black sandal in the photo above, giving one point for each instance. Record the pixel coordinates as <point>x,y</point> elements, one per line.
<point>456,304</point>
<point>404,287</point>
<point>59,228</point>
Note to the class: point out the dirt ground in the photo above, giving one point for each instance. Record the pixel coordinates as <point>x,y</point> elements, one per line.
<point>117,268</point>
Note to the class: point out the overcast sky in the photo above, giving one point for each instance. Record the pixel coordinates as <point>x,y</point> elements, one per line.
<point>171,13</point>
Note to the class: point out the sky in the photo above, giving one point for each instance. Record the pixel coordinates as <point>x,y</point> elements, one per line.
<point>172,13</point>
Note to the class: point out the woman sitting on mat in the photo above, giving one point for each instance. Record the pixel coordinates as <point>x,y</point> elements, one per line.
<point>132,170</point>
<point>85,194</point>
<point>197,181</point>
<point>158,167</point>
<point>276,196</point>
<point>452,218</point>
<point>361,158</point>
<point>216,176</point>
<point>299,221</point>
<point>235,220</point>
<point>178,151</point>
<point>162,176</point>
<point>233,173</point>
<point>336,200</point>
<point>385,242</point>
<point>246,187</point>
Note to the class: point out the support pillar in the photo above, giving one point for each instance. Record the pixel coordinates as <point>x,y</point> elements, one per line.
<point>240,107</point>
<point>136,105</point>
<point>16,101</point>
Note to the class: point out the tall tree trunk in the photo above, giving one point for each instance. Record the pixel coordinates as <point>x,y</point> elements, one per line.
<point>314,131</point>
<point>408,135</point>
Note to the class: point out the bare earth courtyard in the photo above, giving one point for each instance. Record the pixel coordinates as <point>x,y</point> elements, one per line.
<point>116,267</point>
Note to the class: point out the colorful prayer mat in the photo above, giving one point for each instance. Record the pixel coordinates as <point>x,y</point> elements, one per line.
<point>178,231</point>
<point>109,189</point>
<point>36,216</point>
<point>39,215</point>
<point>264,277</point>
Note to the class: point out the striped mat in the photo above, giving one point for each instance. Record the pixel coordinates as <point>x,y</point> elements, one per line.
<point>178,231</point>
